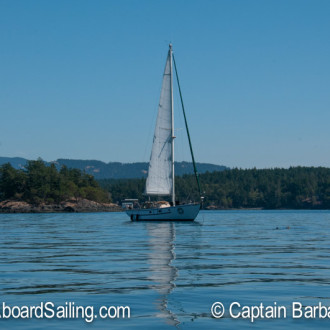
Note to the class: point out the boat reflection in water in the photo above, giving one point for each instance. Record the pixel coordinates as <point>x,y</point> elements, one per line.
<point>163,273</point>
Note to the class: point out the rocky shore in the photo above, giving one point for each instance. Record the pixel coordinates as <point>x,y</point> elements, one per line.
<point>72,205</point>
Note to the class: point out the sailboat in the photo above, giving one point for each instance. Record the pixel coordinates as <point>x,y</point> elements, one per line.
<point>160,180</point>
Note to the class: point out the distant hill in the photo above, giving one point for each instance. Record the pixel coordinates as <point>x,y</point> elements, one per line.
<point>15,162</point>
<point>116,170</point>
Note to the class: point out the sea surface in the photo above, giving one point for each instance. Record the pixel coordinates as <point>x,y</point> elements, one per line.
<point>169,274</point>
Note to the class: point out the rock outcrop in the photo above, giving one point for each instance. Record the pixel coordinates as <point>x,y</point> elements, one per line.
<point>72,205</point>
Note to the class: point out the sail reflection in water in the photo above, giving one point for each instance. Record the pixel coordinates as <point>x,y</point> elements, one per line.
<point>162,273</point>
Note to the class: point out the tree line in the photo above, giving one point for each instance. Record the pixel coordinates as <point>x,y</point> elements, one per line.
<point>37,183</point>
<point>293,188</point>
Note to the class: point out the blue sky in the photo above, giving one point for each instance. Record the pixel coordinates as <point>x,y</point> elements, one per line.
<point>81,79</point>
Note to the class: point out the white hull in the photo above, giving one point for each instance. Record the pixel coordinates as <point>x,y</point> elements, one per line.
<point>186,212</point>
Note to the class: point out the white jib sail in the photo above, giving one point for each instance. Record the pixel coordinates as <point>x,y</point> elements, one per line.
<point>159,180</point>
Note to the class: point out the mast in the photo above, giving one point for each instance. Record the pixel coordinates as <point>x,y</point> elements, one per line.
<point>173,137</point>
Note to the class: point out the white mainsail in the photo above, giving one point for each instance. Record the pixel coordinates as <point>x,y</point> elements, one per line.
<point>159,180</point>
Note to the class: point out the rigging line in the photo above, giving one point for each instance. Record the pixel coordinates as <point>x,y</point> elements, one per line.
<point>185,120</point>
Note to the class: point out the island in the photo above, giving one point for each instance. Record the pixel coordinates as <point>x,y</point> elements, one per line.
<point>41,188</point>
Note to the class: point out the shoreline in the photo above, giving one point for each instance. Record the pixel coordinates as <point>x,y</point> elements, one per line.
<point>81,205</point>
<point>264,209</point>
<point>69,206</point>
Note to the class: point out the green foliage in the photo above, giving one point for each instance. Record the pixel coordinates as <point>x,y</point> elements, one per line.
<point>293,188</point>
<point>39,183</point>
<point>12,182</point>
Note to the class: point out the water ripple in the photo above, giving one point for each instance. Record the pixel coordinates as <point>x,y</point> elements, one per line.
<point>169,272</point>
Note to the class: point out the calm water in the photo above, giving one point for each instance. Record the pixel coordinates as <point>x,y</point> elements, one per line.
<point>169,274</point>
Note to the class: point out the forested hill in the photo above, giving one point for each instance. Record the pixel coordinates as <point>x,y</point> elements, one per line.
<point>114,170</point>
<point>293,188</point>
